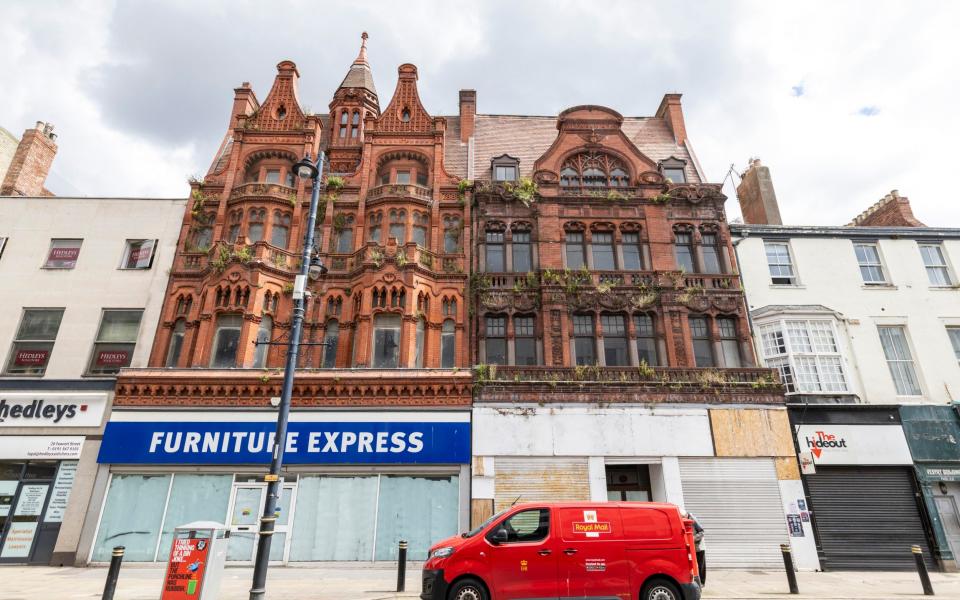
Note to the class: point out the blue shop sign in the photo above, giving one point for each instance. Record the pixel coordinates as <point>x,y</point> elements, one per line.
<point>246,442</point>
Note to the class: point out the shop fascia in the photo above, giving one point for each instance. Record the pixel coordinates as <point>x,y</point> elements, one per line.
<point>212,438</point>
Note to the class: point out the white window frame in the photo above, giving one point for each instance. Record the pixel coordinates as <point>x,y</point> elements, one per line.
<point>953,334</point>
<point>911,361</point>
<point>794,279</point>
<point>944,266</point>
<point>793,361</point>
<point>884,280</point>
<point>127,250</point>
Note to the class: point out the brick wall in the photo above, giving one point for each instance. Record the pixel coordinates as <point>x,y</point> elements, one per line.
<point>31,163</point>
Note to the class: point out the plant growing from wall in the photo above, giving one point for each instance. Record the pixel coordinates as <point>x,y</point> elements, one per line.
<point>615,196</point>
<point>401,257</point>
<point>689,293</point>
<point>479,284</point>
<point>661,198</point>
<point>764,381</point>
<point>462,186</point>
<point>376,257</point>
<point>288,289</point>
<point>426,260</point>
<point>334,183</point>
<point>244,254</point>
<point>219,263</point>
<point>524,190</point>
<point>339,222</point>
<point>292,199</point>
<point>645,371</point>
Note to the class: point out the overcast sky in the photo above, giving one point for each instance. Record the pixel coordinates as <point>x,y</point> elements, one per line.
<point>844,101</point>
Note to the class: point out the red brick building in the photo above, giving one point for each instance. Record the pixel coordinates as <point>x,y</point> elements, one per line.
<point>584,255</point>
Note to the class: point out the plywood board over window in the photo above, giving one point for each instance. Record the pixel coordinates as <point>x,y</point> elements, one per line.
<point>541,480</point>
<point>747,432</point>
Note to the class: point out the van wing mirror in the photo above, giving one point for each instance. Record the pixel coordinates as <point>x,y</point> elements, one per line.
<point>498,536</point>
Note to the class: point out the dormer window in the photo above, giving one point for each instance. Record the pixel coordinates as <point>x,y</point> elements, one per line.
<point>672,169</point>
<point>505,168</point>
<point>405,115</point>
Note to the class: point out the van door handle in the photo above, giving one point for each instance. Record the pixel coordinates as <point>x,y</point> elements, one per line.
<point>570,551</point>
<point>544,552</point>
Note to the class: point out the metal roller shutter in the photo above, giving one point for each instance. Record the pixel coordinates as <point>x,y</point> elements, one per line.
<point>866,518</point>
<point>540,480</point>
<point>737,501</point>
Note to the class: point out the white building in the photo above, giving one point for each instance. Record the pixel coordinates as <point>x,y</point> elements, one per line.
<point>863,323</point>
<point>83,283</point>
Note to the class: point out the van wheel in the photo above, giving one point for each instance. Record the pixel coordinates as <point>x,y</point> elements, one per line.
<point>470,589</point>
<point>660,589</point>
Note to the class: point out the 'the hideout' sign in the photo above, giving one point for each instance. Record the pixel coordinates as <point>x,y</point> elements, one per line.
<point>308,442</point>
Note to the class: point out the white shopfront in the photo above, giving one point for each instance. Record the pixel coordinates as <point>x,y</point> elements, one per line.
<point>354,483</point>
<point>578,452</point>
<point>38,466</point>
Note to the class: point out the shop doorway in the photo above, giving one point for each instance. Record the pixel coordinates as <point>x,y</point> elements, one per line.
<point>30,515</point>
<point>950,519</point>
<point>246,505</point>
<point>628,482</point>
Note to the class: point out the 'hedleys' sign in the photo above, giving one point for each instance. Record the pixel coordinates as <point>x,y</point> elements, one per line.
<point>51,409</point>
<point>311,439</point>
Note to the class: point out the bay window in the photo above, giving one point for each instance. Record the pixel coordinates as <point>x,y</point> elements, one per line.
<point>806,353</point>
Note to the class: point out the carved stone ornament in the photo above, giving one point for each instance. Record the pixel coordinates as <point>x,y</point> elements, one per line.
<point>726,303</point>
<point>696,302</point>
<point>544,176</point>
<point>696,193</point>
<point>651,177</point>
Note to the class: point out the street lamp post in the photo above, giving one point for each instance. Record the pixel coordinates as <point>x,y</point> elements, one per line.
<point>309,267</point>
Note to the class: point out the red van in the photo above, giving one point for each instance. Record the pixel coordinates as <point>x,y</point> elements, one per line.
<point>595,551</point>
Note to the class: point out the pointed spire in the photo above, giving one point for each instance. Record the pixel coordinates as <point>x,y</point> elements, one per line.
<point>362,57</point>
<point>360,75</point>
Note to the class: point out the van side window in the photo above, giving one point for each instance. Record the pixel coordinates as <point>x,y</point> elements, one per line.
<point>528,525</point>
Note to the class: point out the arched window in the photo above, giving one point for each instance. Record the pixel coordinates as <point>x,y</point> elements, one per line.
<point>421,342</point>
<point>202,236</point>
<point>226,340</point>
<point>646,339</point>
<point>374,227</point>
<point>420,221</point>
<point>264,334</point>
<point>176,343</point>
<point>355,124</point>
<point>496,339</point>
<point>451,234</point>
<point>614,340</point>
<point>343,124</point>
<point>702,344</point>
<point>236,217</point>
<point>584,341</point>
<point>331,338</point>
<point>386,341</point>
<point>345,235</point>
<point>448,345</point>
<point>524,341</point>
<point>255,227</point>
<point>593,169</point>
<point>398,226</point>
<point>729,342</point>
<point>520,251</point>
<point>280,233</point>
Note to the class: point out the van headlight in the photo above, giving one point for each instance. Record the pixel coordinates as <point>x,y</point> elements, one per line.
<point>442,552</point>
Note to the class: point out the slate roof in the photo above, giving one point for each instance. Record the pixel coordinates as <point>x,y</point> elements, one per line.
<point>528,138</point>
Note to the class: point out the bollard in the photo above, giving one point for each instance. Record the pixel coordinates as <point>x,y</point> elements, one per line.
<point>788,565</point>
<point>922,570</point>
<point>402,567</point>
<point>113,573</point>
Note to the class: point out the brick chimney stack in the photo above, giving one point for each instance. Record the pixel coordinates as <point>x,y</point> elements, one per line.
<point>758,201</point>
<point>468,114</point>
<point>671,111</point>
<point>31,163</point>
<point>893,210</point>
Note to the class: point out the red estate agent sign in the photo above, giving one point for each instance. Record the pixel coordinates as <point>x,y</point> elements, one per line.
<point>188,561</point>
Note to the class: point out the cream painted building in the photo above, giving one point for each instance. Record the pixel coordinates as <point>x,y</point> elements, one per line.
<point>862,321</point>
<point>83,284</point>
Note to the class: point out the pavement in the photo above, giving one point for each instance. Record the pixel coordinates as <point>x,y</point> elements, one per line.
<point>377,581</point>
